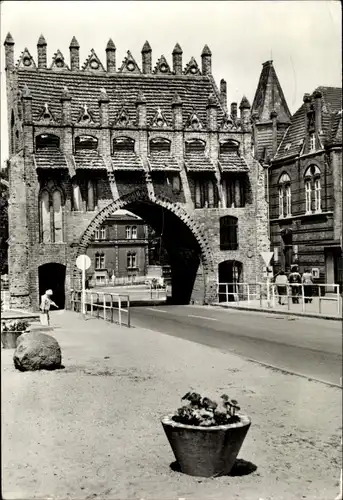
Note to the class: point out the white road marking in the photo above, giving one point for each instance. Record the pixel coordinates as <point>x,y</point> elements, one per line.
<point>155,310</point>
<point>201,317</point>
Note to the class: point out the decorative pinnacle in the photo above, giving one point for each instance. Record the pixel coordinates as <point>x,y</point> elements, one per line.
<point>177,101</point>
<point>245,104</point>
<point>211,102</point>
<point>26,92</point>
<point>74,44</point>
<point>103,95</point>
<point>9,39</point>
<point>140,98</point>
<point>146,47</point>
<point>65,94</point>
<point>307,98</point>
<point>317,94</point>
<point>206,51</point>
<point>41,41</point>
<point>177,49</point>
<point>110,45</point>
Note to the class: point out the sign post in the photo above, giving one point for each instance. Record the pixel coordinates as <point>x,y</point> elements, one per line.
<point>266,256</point>
<point>83,262</point>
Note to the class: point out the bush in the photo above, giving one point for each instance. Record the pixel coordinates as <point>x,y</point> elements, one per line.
<point>14,325</point>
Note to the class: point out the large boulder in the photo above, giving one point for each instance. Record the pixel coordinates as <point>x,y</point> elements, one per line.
<point>37,351</point>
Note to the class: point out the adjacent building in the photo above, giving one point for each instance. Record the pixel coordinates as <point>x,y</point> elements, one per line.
<point>118,249</point>
<point>303,155</point>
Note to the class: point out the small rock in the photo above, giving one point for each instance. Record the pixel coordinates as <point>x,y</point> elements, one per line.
<point>37,351</point>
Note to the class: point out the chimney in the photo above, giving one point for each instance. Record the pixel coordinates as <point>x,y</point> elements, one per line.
<point>177,112</point>
<point>66,106</point>
<point>111,56</point>
<point>41,50</point>
<point>103,103</point>
<point>273,117</point>
<point>177,60</point>
<point>206,59</point>
<point>74,54</point>
<point>318,110</point>
<point>146,58</point>
<point>141,110</point>
<point>234,111</point>
<point>9,52</point>
<point>223,94</point>
<point>244,108</point>
<point>211,113</point>
<point>27,105</point>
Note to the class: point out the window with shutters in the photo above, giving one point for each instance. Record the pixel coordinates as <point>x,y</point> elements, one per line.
<point>123,144</point>
<point>91,195</point>
<point>234,189</point>
<point>228,233</point>
<point>205,193</point>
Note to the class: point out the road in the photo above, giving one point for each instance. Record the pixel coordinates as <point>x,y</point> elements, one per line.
<point>307,346</point>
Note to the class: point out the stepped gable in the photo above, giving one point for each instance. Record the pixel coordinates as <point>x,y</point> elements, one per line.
<point>93,63</point>
<point>269,96</point>
<point>162,67</point>
<point>26,60</point>
<point>331,106</point>
<point>89,159</point>
<point>50,158</point>
<point>159,91</point>
<point>58,61</point>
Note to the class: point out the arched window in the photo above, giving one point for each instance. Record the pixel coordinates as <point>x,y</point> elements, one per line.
<point>51,202</point>
<point>159,145</point>
<point>57,216</point>
<point>228,147</point>
<point>285,193</point>
<point>83,142</point>
<point>76,198</point>
<point>47,141</point>
<point>91,195</point>
<point>195,146</point>
<point>312,182</point>
<point>123,144</point>
<point>228,233</point>
<point>45,217</point>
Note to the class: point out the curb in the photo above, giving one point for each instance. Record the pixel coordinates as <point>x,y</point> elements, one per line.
<point>274,311</point>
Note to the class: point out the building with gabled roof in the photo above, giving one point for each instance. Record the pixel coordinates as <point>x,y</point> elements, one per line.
<point>157,140</point>
<point>304,179</point>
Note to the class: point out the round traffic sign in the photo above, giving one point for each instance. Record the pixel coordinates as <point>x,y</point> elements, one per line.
<point>83,262</point>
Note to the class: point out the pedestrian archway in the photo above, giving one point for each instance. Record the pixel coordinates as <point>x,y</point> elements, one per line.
<point>230,272</point>
<point>187,247</point>
<point>52,275</point>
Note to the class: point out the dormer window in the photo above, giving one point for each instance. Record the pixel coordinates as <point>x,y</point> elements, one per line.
<point>159,145</point>
<point>288,146</point>
<point>229,147</point>
<point>47,141</point>
<point>195,146</point>
<point>85,142</point>
<point>123,144</point>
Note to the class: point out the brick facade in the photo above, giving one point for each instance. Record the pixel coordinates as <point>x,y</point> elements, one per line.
<point>59,196</point>
<point>307,155</point>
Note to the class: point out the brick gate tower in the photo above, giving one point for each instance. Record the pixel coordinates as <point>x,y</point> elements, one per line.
<point>156,140</point>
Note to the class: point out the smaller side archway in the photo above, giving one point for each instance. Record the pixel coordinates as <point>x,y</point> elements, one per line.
<point>230,273</point>
<point>52,276</point>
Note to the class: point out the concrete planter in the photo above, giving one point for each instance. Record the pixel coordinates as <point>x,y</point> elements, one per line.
<point>206,451</point>
<point>9,339</point>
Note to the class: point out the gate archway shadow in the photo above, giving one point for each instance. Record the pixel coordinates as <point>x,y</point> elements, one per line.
<point>52,275</point>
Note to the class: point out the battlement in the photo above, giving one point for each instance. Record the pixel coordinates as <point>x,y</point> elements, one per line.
<point>94,65</point>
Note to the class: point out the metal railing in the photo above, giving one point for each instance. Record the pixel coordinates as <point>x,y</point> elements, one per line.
<point>295,295</point>
<point>111,307</point>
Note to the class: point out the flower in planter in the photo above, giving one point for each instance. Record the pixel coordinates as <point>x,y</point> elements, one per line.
<point>202,411</point>
<point>14,325</point>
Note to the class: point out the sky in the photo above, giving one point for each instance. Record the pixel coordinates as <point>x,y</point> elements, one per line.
<point>303,38</point>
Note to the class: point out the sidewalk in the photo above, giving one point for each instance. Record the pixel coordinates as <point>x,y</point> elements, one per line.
<point>328,307</point>
<point>93,429</point>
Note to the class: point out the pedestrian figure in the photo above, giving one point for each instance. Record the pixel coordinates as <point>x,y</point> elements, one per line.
<point>294,280</point>
<point>45,305</point>
<point>307,280</point>
<point>281,285</point>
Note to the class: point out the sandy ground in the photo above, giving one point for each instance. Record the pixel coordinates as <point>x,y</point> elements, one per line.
<point>92,430</point>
